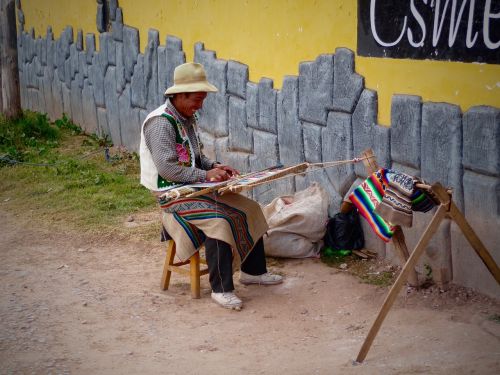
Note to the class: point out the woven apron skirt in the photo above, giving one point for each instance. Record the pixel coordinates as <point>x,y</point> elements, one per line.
<point>231,218</point>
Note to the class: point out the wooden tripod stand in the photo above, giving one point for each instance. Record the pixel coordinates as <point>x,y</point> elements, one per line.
<point>446,209</point>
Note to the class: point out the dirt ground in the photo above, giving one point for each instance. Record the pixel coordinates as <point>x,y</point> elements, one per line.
<point>71,304</point>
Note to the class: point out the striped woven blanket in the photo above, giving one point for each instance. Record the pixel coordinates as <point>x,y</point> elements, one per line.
<point>388,198</point>
<point>366,197</point>
<point>231,218</point>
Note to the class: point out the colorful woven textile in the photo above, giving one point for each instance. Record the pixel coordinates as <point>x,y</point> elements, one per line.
<point>190,220</point>
<point>421,201</point>
<point>366,197</point>
<point>395,206</point>
<point>388,198</point>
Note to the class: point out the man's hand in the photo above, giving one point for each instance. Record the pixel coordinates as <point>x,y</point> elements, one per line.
<point>217,175</point>
<point>221,173</point>
<point>229,170</point>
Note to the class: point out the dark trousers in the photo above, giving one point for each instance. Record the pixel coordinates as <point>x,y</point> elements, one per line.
<point>220,260</point>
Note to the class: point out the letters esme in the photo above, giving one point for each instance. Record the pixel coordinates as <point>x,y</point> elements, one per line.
<point>457,30</point>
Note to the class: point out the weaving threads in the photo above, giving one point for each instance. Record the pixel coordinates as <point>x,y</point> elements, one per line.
<point>298,170</point>
<point>236,185</point>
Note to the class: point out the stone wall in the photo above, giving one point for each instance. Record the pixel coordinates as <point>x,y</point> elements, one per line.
<point>323,114</point>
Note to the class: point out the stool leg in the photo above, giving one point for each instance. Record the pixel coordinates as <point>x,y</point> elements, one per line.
<point>195,275</point>
<point>169,260</point>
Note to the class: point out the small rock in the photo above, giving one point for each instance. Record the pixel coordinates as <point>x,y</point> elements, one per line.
<point>343,266</point>
<point>130,218</point>
<point>84,304</point>
<point>84,322</point>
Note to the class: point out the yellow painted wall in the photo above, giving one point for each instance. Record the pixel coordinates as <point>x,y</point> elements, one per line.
<point>58,14</point>
<point>273,36</point>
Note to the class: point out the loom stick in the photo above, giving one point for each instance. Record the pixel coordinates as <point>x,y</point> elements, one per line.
<point>408,267</point>
<point>474,241</point>
<point>237,187</point>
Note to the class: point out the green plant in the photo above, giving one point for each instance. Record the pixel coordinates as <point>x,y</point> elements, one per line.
<point>66,123</point>
<point>103,141</point>
<point>28,136</point>
<point>428,271</point>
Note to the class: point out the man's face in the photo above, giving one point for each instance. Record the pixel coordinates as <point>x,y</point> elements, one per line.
<point>191,102</point>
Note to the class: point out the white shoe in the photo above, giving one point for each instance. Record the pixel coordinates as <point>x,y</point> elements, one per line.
<point>264,279</point>
<point>228,300</point>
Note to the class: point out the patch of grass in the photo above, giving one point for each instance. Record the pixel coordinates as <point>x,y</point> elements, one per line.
<point>28,137</point>
<point>364,270</point>
<point>71,183</point>
<point>381,278</point>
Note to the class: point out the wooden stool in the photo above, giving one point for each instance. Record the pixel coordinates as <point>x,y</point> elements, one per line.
<point>194,269</point>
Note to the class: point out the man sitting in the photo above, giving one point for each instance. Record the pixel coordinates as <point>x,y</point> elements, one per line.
<point>231,226</point>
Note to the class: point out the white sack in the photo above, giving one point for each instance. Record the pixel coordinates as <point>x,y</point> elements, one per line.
<point>297,223</point>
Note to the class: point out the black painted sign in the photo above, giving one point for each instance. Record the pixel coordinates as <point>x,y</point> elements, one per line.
<point>456,30</point>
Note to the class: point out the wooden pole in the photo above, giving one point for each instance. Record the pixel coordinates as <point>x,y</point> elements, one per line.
<point>474,241</point>
<point>169,260</point>
<point>399,242</point>
<point>11,98</point>
<point>1,64</point>
<point>1,90</point>
<point>194,270</point>
<point>393,293</point>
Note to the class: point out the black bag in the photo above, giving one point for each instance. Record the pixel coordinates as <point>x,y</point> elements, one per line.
<point>344,232</point>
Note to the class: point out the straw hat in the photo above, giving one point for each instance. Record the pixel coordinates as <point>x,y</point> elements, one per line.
<point>190,77</point>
